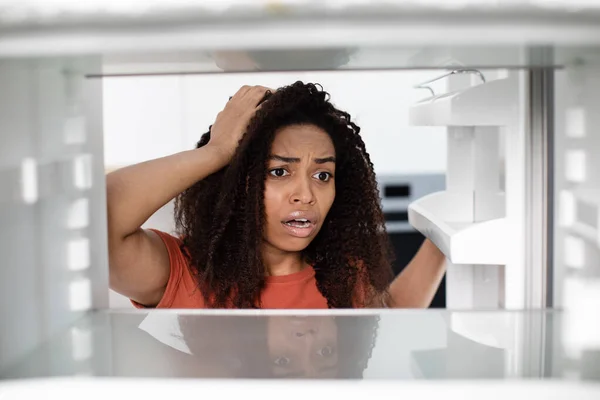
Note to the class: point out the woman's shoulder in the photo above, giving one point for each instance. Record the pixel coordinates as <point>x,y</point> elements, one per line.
<point>181,290</point>
<point>175,246</point>
<point>170,240</point>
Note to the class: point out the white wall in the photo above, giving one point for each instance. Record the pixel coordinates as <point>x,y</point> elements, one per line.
<point>149,117</point>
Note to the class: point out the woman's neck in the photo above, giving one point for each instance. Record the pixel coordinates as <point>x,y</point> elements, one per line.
<point>279,263</point>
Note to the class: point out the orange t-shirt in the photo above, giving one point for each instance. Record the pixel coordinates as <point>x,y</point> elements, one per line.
<point>295,291</point>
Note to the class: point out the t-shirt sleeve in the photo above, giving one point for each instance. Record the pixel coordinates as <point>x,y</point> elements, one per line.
<point>178,266</point>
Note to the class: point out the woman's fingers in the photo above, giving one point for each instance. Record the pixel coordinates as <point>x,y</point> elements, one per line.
<point>242,91</point>
<point>254,96</point>
<point>247,98</point>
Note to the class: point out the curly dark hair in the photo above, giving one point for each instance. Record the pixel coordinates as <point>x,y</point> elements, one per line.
<point>221,218</point>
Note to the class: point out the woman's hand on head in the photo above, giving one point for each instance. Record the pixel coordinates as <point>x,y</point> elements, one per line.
<point>232,122</point>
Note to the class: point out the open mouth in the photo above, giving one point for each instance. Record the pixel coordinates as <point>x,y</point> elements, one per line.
<point>298,223</point>
<point>300,227</point>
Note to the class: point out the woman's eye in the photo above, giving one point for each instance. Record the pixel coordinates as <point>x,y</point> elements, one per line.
<point>281,361</point>
<point>323,176</point>
<point>325,351</point>
<point>278,172</point>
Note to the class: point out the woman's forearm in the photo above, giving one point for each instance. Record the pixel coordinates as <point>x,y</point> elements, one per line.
<point>417,283</point>
<point>136,192</point>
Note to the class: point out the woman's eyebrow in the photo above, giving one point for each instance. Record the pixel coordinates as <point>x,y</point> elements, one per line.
<point>290,160</point>
<point>325,160</point>
<point>284,159</point>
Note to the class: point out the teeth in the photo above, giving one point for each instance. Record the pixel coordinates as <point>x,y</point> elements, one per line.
<point>301,220</point>
<point>299,223</point>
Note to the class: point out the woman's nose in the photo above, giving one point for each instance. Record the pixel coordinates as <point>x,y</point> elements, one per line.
<point>303,192</point>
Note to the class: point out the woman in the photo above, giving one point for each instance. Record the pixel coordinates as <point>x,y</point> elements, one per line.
<point>277,207</point>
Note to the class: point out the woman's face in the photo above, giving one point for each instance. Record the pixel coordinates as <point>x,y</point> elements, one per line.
<point>303,347</point>
<point>299,187</point>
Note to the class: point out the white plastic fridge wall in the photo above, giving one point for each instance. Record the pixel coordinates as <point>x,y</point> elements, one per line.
<point>52,208</point>
<point>577,207</point>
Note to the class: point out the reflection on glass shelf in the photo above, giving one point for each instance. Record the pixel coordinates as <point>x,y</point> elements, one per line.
<point>427,344</point>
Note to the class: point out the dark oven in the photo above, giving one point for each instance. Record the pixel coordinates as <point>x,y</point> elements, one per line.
<point>397,192</point>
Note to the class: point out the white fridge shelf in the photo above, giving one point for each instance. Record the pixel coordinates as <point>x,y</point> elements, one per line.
<point>584,210</point>
<point>489,104</point>
<point>442,217</point>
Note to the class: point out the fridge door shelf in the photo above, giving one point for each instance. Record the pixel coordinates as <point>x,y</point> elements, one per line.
<point>489,104</point>
<point>438,217</point>
<point>581,211</point>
